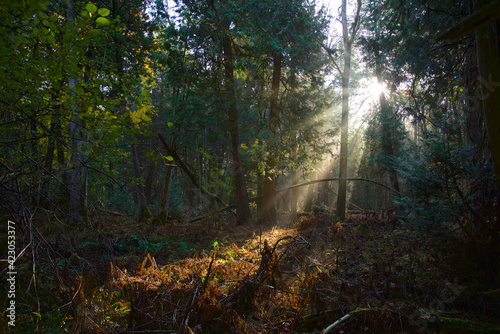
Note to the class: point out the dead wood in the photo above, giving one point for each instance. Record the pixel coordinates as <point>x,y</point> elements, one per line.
<point>191,176</point>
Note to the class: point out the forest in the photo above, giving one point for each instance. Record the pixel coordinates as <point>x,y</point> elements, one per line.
<point>250,166</point>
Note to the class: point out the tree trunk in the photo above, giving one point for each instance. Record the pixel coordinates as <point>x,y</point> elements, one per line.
<point>348,42</point>
<point>388,140</point>
<point>268,212</point>
<point>295,193</point>
<point>310,194</point>
<point>342,195</point>
<point>489,76</point>
<point>242,208</point>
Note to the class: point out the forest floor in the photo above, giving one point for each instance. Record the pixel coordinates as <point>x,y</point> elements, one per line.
<point>373,273</point>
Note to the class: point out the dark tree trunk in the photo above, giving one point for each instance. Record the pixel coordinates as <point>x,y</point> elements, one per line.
<point>388,141</point>
<point>242,208</point>
<point>268,213</point>
<point>489,75</point>
<point>310,194</point>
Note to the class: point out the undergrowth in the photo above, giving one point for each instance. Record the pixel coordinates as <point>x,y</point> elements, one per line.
<point>370,274</point>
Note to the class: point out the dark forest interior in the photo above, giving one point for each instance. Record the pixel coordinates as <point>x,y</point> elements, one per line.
<point>229,166</point>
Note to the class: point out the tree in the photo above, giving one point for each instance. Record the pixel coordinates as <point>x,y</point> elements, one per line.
<point>348,38</point>
<point>241,196</point>
<point>488,58</point>
<point>290,34</point>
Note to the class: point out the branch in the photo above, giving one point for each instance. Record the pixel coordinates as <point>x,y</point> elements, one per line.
<point>178,159</point>
<point>337,179</point>
<point>356,25</point>
<point>330,55</point>
<point>345,318</point>
<point>486,14</point>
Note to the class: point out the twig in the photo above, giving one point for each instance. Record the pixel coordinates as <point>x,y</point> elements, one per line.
<point>205,284</point>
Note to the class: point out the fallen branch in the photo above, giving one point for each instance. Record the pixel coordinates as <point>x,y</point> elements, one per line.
<point>178,159</point>
<point>346,317</point>
<point>338,179</point>
<point>111,212</point>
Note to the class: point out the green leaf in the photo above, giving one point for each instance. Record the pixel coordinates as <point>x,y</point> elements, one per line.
<point>91,8</point>
<point>103,12</point>
<point>170,124</point>
<point>51,39</point>
<point>94,32</point>
<point>42,5</point>
<point>102,21</point>
<point>169,158</point>
<point>144,92</point>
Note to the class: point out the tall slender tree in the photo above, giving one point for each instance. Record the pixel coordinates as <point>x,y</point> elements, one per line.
<point>241,196</point>
<point>348,38</point>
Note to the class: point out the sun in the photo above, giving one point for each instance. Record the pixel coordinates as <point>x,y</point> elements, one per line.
<point>376,88</point>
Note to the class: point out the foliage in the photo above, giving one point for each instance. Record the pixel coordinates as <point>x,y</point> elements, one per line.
<point>441,179</point>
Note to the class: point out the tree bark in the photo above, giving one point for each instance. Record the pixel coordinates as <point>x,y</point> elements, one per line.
<point>242,207</point>
<point>348,42</point>
<point>342,195</point>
